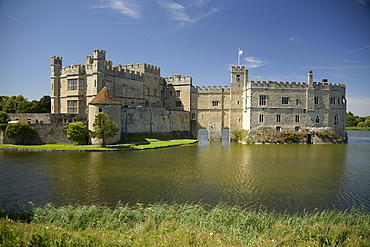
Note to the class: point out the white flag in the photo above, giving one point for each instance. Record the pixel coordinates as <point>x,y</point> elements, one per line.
<point>240,52</point>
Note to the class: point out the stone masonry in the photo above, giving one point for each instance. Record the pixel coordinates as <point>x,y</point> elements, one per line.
<point>146,103</point>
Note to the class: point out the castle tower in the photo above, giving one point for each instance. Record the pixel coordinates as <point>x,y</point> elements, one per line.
<point>56,67</point>
<point>104,102</point>
<point>239,78</point>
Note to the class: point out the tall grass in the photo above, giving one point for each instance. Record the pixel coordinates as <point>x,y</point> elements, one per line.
<point>180,225</point>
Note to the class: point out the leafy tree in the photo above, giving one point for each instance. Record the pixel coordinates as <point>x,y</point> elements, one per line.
<point>44,104</point>
<point>20,132</point>
<point>104,127</point>
<point>3,120</point>
<point>9,107</point>
<point>25,107</point>
<point>3,117</point>
<point>78,133</point>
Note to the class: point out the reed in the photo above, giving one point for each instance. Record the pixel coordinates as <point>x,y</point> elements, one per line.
<point>175,224</point>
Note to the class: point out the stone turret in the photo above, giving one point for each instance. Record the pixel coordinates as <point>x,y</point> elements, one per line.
<point>56,68</point>
<point>104,102</point>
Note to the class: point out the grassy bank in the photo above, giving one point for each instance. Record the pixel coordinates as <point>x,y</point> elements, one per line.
<point>358,128</point>
<point>180,225</point>
<point>131,143</point>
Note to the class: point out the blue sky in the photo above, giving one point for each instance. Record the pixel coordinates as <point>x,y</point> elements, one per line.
<point>281,40</point>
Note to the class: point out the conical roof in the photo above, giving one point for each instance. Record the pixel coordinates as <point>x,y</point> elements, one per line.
<point>104,97</point>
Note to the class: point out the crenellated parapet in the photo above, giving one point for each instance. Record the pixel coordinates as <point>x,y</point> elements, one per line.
<point>325,85</point>
<point>179,80</point>
<point>213,89</point>
<point>142,68</point>
<point>56,60</point>
<point>277,84</point>
<point>296,85</point>
<point>76,69</point>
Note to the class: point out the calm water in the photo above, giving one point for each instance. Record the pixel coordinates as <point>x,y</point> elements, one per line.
<point>284,177</point>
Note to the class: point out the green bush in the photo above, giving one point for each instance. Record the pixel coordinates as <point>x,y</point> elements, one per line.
<point>20,132</point>
<point>78,133</point>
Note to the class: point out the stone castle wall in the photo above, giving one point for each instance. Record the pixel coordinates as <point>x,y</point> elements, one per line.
<point>150,101</point>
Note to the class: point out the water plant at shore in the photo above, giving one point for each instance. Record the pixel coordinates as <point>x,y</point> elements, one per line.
<point>175,224</point>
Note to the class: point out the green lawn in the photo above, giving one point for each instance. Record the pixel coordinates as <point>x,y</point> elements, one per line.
<point>358,128</point>
<point>141,142</point>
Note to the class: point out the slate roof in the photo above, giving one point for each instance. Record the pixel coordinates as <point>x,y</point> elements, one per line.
<point>104,97</point>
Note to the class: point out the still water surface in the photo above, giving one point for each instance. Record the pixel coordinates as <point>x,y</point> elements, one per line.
<point>283,177</point>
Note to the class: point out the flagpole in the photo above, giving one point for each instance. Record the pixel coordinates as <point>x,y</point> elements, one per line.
<point>240,52</point>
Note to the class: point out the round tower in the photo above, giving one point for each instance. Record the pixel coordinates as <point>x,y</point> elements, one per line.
<point>104,102</point>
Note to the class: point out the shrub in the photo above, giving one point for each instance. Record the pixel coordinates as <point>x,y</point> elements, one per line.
<point>78,133</point>
<point>20,132</point>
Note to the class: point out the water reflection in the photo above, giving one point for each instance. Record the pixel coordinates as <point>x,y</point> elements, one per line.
<point>284,177</point>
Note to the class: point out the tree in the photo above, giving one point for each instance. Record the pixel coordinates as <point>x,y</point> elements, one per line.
<point>103,128</point>
<point>3,120</point>
<point>78,133</point>
<point>3,117</point>
<point>9,107</point>
<point>20,132</point>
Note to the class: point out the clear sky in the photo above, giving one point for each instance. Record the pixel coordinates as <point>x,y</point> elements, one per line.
<point>281,40</point>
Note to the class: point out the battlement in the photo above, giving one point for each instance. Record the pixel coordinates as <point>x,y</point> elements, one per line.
<point>178,79</point>
<point>76,69</point>
<point>99,54</point>
<point>212,89</point>
<point>293,84</point>
<point>237,68</point>
<point>56,60</point>
<point>123,72</point>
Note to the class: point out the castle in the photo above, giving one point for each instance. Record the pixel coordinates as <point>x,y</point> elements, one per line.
<point>140,101</point>
<point>146,103</point>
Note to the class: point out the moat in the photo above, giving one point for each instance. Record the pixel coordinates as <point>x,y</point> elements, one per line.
<point>284,177</point>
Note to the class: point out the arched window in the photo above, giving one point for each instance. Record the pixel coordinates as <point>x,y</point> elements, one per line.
<point>336,120</point>
<point>317,120</point>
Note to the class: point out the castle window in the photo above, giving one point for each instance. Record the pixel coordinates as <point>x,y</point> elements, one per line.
<point>100,110</point>
<point>72,106</point>
<point>278,118</point>
<point>285,100</point>
<point>193,115</point>
<point>178,93</point>
<point>278,128</point>
<point>81,84</point>
<point>72,84</point>
<point>297,128</point>
<point>297,118</point>
<point>261,118</point>
<point>316,100</point>
<point>178,104</point>
<point>297,102</point>
<point>215,103</point>
<point>336,120</point>
<point>238,77</point>
<point>155,92</point>
<point>317,120</point>
<point>263,99</point>
<point>332,101</point>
